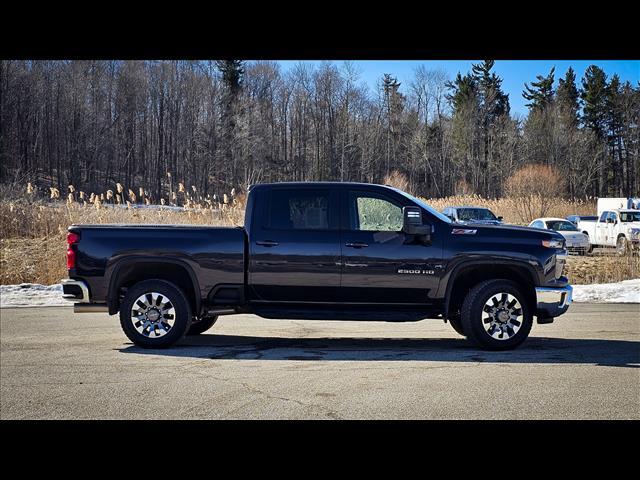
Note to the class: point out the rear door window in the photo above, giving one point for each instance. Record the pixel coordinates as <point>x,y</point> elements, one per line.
<point>300,209</point>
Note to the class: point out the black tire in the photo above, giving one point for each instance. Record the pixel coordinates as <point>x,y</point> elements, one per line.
<point>622,246</point>
<point>174,297</point>
<point>202,325</point>
<point>456,324</point>
<point>474,317</point>
<point>590,249</point>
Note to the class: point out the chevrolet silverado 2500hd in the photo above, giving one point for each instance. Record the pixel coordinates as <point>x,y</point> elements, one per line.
<point>345,251</point>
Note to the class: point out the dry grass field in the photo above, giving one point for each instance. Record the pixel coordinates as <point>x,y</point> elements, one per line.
<point>32,232</point>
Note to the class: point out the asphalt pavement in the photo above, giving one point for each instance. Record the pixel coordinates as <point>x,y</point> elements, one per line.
<point>57,365</point>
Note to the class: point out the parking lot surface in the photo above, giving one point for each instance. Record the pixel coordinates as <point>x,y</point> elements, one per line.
<point>57,365</point>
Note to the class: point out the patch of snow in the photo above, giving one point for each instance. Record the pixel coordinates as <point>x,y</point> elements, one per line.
<point>32,295</point>
<point>627,291</point>
<point>36,295</point>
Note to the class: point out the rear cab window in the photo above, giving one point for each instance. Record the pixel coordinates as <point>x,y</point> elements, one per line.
<point>301,209</point>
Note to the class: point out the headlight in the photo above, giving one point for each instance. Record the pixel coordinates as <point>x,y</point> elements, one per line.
<point>553,243</point>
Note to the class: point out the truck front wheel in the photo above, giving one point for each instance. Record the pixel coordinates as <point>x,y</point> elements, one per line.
<point>155,314</point>
<point>496,316</point>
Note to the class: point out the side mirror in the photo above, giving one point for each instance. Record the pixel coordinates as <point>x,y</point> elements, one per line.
<point>412,224</point>
<point>500,219</point>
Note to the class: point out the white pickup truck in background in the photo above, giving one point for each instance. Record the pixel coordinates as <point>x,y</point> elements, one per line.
<point>618,224</point>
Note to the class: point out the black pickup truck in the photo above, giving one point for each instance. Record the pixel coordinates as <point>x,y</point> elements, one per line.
<point>341,251</point>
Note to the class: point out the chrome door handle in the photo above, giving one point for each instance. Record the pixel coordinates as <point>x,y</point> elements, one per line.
<point>356,244</point>
<point>267,243</point>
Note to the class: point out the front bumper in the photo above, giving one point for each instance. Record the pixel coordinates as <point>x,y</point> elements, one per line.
<point>553,301</point>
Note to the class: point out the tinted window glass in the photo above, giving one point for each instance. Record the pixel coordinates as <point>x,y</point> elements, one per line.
<point>299,209</point>
<point>559,225</point>
<point>603,217</point>
<point>373,213</point>
<point>467,214</point>
<point>630,217</point>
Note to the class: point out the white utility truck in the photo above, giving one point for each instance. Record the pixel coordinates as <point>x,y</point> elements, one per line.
<point>618,224</point>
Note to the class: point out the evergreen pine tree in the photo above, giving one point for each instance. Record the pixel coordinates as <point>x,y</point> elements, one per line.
<point>464,89</point>
<point>494,101</point>
<point>568,98</point>
<point>232,75</point>
<point>595,94</point>
<point>595,98</point>
<point>541,93</point>
<point>614,129</point>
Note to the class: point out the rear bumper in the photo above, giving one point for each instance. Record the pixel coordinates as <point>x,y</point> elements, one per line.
<point>77,291</point>
<point>553,301</point>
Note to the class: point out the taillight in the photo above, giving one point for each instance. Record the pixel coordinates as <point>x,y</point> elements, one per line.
<point>72,239</point>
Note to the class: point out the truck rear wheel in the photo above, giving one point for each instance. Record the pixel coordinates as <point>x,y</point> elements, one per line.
<point>496,316</point>
<point>155,314</point>
<point>202,325</point>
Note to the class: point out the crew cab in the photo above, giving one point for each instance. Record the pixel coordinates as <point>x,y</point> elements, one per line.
<point>341,251</point>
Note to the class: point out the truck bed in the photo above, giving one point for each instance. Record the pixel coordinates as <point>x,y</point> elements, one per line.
<point>214,255</point>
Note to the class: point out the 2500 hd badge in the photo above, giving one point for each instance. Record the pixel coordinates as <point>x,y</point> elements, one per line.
<point>416,271</point>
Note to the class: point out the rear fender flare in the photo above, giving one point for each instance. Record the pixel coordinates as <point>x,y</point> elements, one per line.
<point>112,273</point>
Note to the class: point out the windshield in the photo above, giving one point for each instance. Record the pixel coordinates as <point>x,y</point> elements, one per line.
<point>561,226</point>
<point>429,209</point>
<point>466,214</point>
<point>630,216</point>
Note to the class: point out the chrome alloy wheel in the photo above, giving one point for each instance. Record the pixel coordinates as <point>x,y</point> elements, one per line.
<point>504,316</point>
<point>153,315</point>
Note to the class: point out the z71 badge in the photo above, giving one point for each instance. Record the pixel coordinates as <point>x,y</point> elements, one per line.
<point>464,231</point>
